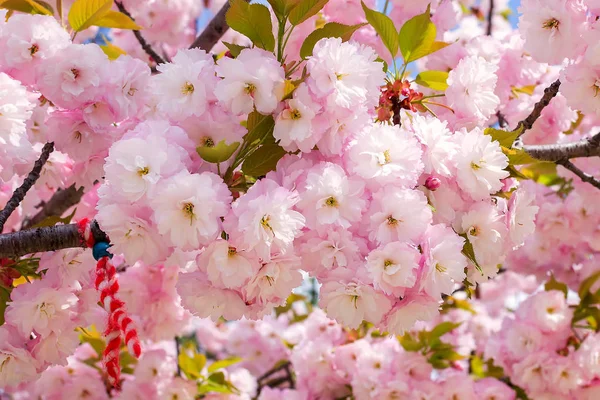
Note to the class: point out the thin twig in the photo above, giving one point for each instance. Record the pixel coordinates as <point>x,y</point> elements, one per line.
<point>61,201</point>
<point>268,379</point>
<point>19,194</point>
<point>177,344</point>
<point>214,31</point>
<point>145,45</point>
<point>489,18</point>
<point>549,93</point>
<point>563,151</point>
<point>502,120</point>
<point>582,175</point>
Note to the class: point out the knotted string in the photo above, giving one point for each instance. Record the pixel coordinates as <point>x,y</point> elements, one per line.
<point>119,325</point>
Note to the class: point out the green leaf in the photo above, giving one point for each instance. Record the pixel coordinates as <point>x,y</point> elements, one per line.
<point>116,19</point>
<point>553,284</point>
<point>85,13</point>
<point>263,160</point>
<point>518,156</point>
<point>417,36</point>
<point>443,328</point>
<point>54,219</point>
<point>234,49</point>
<point>94,338</point>
<point>112,52</point>
<point>259,126</point>
<point>28,6</point>
<point>305,9</point>
<point>435,80</point>
<point>469,252</point>
<point>505,138</point>
<point>219,153</point>
<point>4,299</point>
<point>252,21</point>
<point>224,363</point>
<point>384,27</point>
<point>282,8</point>
<point>409,343</point>
<point>587,284</point>
<point>191,366</point>
<point>331,29</point>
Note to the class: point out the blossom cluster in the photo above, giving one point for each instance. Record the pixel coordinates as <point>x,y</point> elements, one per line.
<point>389,218</point>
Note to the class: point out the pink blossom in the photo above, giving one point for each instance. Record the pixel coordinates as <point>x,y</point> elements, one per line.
<point>393,267</point>
<point>263,219</point>
<point>346,74</point>
<point>76,77</point>
<point>444,262</point>
<point>398,214</point>
<point>188,208</point>
<point>253,79</point>
<point>186,85</point>
<point>480,164</point>
<point>471,87</point>
<point>330,197</point>
<point>386,154</point>
<point>553,29</point>
<point>353,302</point>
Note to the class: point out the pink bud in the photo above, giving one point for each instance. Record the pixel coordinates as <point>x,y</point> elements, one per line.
<point>432,183</point>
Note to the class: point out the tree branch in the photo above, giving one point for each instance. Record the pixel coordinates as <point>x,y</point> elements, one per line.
<point>17,244</point>
<point>214,31</point>
<point>557,152</point>
<point>61,201</point>
<point>549,93</point>
<point>145,45</point>
<point>19,194</point>
<point>489,18</point>
<point>582,175</point>
<point>502,120</point>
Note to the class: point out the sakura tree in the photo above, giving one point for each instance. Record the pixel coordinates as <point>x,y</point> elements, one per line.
<point>299,199</point>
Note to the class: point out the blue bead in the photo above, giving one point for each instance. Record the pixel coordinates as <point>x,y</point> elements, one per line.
<point>101,250</point>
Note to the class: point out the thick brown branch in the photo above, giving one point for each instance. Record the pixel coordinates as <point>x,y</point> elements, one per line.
<point>549,93</point>
<point>17,244</point>
<point>61,201</point>
<point>19,194</point>
<point>214,31</point>
<point>564,151</point>
<point>145,45</point>
<point>582,175</point>
<point>489,18</point>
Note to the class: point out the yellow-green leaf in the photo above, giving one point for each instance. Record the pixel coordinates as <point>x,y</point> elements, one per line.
<point>28,6</point>
<point>85,13</point>
<point>116,19</point>
<point>252,21</point>
<point>417,36</point>
<point>191,365</point>
<point>384,27</point>
<point>219,153</point>
<point>263,160</point>
<point>505,138</point>
<point>331,29</point>
<point>553,284</point>
<point>305,9</point>
<point>587,284</point>
<point>226,362</point>
<point>518,156</point>
<point>435,80</point>
<point>113,52</point>
<point>234,49</point>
